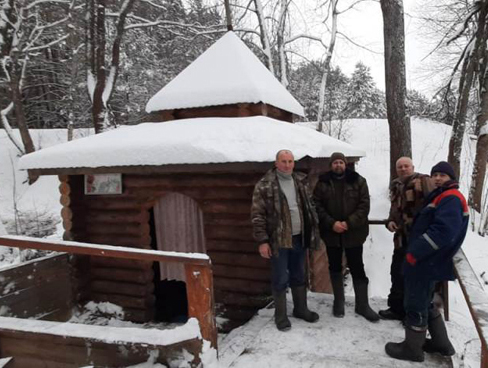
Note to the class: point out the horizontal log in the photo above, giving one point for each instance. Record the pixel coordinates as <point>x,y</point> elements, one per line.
<point>238,246</point>
<point>251,260</point>
<point>133,229</point>
<point>66,213</point>
<point>143,242</point>
<point>122,275</point>
<point>124,301</point>
<point>113,216</point>
<point>226,206</point>
<point>229,232</point>
<point>194,180</point>
<point>238,313</point>
<point>115,203</point>
<point>121,263</point>
<point>243,286</point>
<point>197,193</point>
<point>139,315</point>
<point>122,288</point>
<point>227,219</point>
<point>65,200</point>
<point>259,274</point>
<point>229,298</point>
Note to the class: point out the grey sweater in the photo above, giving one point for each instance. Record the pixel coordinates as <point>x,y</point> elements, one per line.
<point>287,185</point>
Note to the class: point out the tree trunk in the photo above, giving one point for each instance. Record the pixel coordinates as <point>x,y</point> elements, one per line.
<point>481,158</point>
<point>326,72</point>
<point>465,83</point>
<point>228,15</point>
<point>98,56</point>
<point>396,91</point>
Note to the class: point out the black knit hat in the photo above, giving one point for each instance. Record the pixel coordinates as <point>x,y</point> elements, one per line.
<point>445,168</point>
<point>338,156</point>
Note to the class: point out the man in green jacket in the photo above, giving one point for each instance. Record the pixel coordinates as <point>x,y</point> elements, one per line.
<point>341,198</point>
<point>284,225</point>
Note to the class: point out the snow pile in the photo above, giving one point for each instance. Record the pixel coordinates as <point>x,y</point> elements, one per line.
<point>227,73</point>
<point>189,141</point>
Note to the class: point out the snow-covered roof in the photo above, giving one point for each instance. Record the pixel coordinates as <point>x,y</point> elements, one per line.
<point>189,141</point>
<point>227,73</point>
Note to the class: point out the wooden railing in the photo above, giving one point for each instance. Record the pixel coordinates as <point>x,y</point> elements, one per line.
<point>476,298</point>
<point>198,271</point>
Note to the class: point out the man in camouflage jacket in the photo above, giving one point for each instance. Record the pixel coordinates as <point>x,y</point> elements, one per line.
<point>407,196</point>
<point>284,225</point>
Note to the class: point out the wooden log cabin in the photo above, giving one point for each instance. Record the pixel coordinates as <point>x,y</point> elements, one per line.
<point>184,182</point>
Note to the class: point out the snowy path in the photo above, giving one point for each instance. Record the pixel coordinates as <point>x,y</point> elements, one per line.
<point>330,343</point>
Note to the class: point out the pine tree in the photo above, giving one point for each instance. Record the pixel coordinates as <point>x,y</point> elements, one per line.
<point>364,99</point>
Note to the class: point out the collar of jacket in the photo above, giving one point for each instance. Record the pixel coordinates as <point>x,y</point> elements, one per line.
<point>350,176</point>
<point>451,184</point>
<point>271,175</point>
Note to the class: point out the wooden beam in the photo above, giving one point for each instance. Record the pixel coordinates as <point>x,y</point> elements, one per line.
<point>104,250</point>
<point>476,299</point>
<point>199,292</point>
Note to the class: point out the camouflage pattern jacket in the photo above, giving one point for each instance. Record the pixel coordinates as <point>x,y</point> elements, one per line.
<point>271,217</point>
<point>407,199</point>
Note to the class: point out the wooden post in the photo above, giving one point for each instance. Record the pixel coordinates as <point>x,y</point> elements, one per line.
<point>484,356</point>
<point>199,291</point>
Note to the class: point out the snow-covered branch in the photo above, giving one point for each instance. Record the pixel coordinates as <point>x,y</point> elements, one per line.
<point>39,2</point>
<point>310,37</point>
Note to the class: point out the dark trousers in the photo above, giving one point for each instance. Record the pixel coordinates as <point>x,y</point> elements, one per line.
<point>288,268</point>
<point>395,298</point>
<point>419,309</point>
<point>354,257</point>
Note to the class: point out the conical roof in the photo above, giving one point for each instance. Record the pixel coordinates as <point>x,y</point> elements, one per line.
<point>227,73</point>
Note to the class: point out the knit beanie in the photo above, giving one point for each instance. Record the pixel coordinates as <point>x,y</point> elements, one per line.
<point>337,156</point>
<point>445,168</point>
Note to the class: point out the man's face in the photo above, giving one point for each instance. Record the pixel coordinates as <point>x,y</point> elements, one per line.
<point>440,178</point>
<point>338,167</point>
<point>404,167</point>
<point>285,162</point>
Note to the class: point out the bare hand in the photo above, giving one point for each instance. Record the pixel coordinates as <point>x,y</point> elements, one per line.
<point>339,227</point>
<point>344,225</point>
<point>265,250</point>
<point>392,226</point>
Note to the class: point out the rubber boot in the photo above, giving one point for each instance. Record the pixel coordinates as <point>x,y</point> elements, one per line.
<point>439,342</point>
<point>411,348</point>
<point>362,304</point>
<point>281,319</point>
<point>300,309</point>
<point>337,282</point>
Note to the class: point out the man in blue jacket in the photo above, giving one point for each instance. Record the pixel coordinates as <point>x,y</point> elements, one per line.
<point>437,234</point>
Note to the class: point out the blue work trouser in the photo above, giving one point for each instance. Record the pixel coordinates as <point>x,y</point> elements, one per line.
<point>419,308</point>
<point>288,268</point>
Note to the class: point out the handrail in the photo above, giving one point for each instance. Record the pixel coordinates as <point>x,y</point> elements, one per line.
<point>198,271</point>
<point>476,298</point>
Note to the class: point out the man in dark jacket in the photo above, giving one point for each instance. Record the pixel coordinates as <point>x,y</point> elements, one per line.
<point>341,198</point>
<point>437,234</point>
<point>407,195</point>
<point>284,225</point>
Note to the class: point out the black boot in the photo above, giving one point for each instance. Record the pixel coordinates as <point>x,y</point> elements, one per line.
<point>300,309</point>
<point>337,282</point>
<point>411,348</point>
<point>391,314</point>
<point>281,319</point>
<point>362,304</point>
<point>439,342</point>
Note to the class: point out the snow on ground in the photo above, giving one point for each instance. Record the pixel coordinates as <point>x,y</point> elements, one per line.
<point>430,145</point>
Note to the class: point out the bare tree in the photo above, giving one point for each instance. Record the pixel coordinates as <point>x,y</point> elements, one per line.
<point>396,91</point>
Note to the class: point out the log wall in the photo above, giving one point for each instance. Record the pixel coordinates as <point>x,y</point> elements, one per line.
<point>241,276</point>
<point>40,289</point>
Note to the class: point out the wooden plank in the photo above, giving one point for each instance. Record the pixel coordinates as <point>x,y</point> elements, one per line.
<point>251,260</point>
<point>117,216</point>
<point>238,246</point>
<point>476,299</point>
<point>246,273</point>
<point>250,287</point>
<point>137,276</point>
<point>123,288</point>
<point>122,240</point>
<point>199,293</point>
<point>103,250</point>
<point>226,206</point>
<point>229,232</point>
<point>114,263</point>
